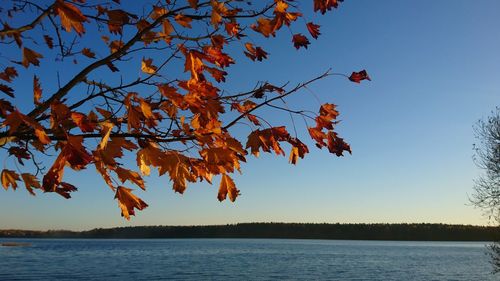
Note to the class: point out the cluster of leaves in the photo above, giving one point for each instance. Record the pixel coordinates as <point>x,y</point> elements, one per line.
<point>178,124</point>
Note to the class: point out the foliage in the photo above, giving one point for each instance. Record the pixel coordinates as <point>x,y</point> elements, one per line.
<point>487,186</point>
<point>173,114</point>
<point>358,231</point>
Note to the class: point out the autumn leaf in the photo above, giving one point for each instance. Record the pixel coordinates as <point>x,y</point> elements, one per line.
<point>134,177</point>
<point>183,20</point>
<point>313,29</point>
<point>19,152</point>
<point>264,26</point>
<point>299,149</point>
<point>8,74</point>
<point>128,201</point>
<point>37,90</point>
<point>106,128</point>
<point>83,122</point>
<point>227,187</point>
<point>267,139</point>
<point>88,53</point>
<point>64,189</point>
<point>49,41</point>
<point>30,57</point>
<point>337,145</point>
<point>255,53</point>
<point>147,66</point>
<point>9,178</point>
<point>357,77</point>
<point>30,181</point>
<point>7,90</point>
<point>117,18</point>
<point>193,4</point>
<point>324,5</point>
<point>71,16</point>
<point>300,40</point>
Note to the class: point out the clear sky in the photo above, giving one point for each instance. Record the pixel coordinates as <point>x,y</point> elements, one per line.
<point>435,67</point>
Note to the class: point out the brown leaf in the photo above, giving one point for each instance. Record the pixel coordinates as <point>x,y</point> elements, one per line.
<point>117,18</point>
<point>337,145</point>
<point>88,53</point>
<point>300,40</point>
<point>30,57</point>
<point>299,149</point>
<point>8,74</point>
<point>7,90</point>
<point>255,53</point>
<point>357,77</point>
<point>183,20</point>
<point>64,189</point>
<point>128,201</point>
<point>313,29</point>
<point>49,41</point>
<point>324,5</point>
<point>193,4</point>
<point>9,178</point>
<point>37,90</point>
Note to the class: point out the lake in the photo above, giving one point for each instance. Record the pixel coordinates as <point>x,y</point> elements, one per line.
<point>243,259</point>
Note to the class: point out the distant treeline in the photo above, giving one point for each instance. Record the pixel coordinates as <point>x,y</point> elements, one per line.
<point>415,232</point>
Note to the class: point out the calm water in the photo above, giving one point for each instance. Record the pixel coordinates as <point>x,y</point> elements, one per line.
<point>243,259</point>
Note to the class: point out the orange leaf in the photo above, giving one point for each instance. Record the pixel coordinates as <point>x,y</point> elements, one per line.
<point>105,131</point>
<point>71,16</point>
<point>128,201</point>
<point>82,122</point>
<point>226,187</point>
<point>124,175</point>
<point>147,66</point>
<point>264,26</point>
<point>30,56</point>
<point>30,181</point>
<point>37,90</point>
<point>9,177</point>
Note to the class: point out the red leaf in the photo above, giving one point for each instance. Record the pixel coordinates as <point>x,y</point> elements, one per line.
<point>313,30</point>
<point>357,77</point>
<point>300,40</point>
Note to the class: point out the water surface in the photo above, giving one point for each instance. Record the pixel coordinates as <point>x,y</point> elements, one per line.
<point>243,259</point>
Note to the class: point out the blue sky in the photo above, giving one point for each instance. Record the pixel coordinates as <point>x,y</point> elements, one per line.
<point>435,68</point>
